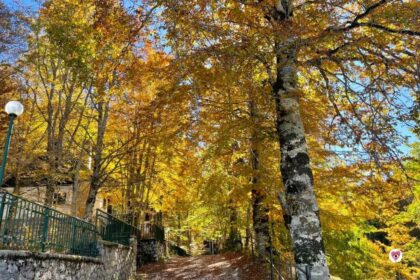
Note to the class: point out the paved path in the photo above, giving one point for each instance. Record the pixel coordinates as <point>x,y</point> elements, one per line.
<point>216,267</point>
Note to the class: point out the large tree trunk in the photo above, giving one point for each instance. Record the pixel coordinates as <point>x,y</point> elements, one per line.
<point>95,184</point>
<point>50,176</point>
<point>49,192</point>
<point>304,224</point>
<point>259,209</point>
<point>76,182</point>
<point>97,173</point>
<point>261,227</point>
<point>91,199</point>
<point>76,178</point>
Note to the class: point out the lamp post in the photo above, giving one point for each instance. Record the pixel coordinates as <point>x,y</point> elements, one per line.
<point>13,109</point>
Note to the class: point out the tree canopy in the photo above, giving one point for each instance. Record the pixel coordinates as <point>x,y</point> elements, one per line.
<point>280,126</point>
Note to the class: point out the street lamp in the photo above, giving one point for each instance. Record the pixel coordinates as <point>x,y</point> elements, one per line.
<point>13,109</point>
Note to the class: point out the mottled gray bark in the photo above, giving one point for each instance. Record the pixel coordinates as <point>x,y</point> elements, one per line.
<point>303,217</point>
<point>304,224</point>
<point>303,221</point>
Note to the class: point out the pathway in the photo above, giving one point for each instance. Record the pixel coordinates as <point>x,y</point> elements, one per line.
<point>230,266</point>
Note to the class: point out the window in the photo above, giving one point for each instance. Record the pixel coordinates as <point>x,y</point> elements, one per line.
<point>59,198</point>
<point>109,209</point>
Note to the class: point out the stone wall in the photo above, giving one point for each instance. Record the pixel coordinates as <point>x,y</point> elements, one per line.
<point>149,250</point>
<point>116,262</point>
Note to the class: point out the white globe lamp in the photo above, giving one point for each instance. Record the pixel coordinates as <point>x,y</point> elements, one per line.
<point>14,108</point>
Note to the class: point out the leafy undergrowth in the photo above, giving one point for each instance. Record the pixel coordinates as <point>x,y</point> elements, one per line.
<point>223,266</point>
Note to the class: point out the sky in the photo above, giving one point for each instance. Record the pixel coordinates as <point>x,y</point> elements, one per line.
<point>29,5</point>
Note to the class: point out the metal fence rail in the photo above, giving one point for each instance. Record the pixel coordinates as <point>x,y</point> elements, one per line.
<point>152,231</point>
<point>113,229</point>
<point>149,229</point>
<point>25,225</point>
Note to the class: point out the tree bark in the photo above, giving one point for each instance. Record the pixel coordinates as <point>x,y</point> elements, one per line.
<point>76,188</point>
<point>304,224</point>
<point>49,192</point>
<point>259,209</point>
<point>260,218</point>
<point>96,178</point>
<point>248,228</point>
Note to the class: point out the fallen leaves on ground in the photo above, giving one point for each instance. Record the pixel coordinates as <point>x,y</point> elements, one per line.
<point>232,266</point>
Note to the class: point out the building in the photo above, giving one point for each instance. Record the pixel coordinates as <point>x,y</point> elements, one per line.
<point>63,198</point>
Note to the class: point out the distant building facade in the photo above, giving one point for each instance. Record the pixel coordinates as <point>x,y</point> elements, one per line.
<point>63,197</point>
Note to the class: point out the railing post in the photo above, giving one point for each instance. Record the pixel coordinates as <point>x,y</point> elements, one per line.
<point>45,229</point>
<point>308,272</point>
<point>73,236</point>
<point>9,221</point>
<point>2,203</point>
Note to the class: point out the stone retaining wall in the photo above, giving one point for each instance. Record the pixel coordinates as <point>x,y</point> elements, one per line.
<point>149,251</point>
<point>115,262</point>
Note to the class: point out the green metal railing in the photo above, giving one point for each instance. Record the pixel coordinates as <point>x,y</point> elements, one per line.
<point>152,231</point>
<point>113,229</point>
<point>25,225</point>
<point>159,233</point>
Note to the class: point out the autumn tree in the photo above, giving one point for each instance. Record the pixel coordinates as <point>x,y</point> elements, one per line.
<point>342,49</point>
<point>58,93</point>
<point>104,36</point>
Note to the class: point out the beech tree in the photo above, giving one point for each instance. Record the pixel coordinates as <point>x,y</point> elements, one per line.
<point>101,49</point>
<point>58,92</point>
<point>355,53</point>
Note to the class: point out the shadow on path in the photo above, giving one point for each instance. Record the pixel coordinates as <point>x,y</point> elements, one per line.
<point>230,266</point>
